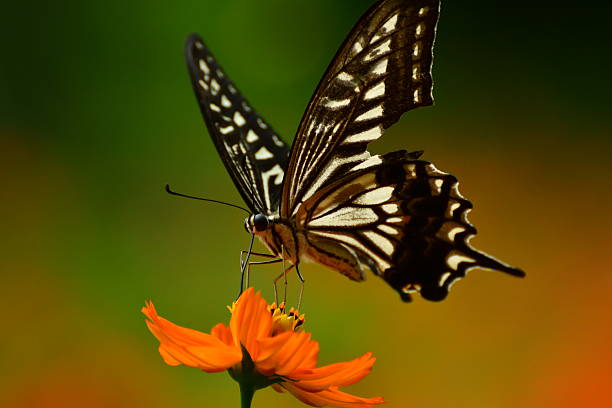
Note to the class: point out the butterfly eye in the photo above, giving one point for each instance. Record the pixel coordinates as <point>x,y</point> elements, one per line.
<point>260,222</point>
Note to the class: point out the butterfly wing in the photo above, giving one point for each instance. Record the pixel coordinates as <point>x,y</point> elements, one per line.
<point>395,215</point>
<point>382,70</point>
<point>401,218</point>
<point>255,156</point>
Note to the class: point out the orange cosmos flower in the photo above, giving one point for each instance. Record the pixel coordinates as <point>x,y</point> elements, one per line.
<point>263,346</point>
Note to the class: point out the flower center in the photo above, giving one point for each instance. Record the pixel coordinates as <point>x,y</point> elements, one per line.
<point>283,321</point>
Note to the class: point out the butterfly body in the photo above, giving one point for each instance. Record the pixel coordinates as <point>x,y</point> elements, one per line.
<point>329,200</point>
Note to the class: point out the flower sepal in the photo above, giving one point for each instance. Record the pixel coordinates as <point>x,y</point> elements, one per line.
<point>250,379</point>
<point>246,374</point>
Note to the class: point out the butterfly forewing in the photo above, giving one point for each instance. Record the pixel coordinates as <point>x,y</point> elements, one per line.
<point>401,218</point>
<point>382,70</point>
<point>253,153</point>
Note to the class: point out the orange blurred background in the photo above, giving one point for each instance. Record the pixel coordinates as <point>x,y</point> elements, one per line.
<point>98,116</point>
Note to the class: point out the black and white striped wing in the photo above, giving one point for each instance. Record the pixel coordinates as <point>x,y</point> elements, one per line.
<point>399,217</point>
<point>254,155</point>
<point>382,70</point>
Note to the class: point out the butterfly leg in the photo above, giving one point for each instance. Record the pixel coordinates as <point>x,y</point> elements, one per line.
<point>243,252</point>
<point>248,270</point>
<point>302,281</point>
<point>283,274</point>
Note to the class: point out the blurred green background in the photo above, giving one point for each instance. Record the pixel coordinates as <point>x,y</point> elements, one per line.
<point>97,114</point>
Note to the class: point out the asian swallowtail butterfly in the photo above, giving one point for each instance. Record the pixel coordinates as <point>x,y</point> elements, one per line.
<point>327,199</point>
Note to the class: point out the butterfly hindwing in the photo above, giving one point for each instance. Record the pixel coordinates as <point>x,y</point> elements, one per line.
<point>401,218</point>
<point>382,70</point>
<point>253,153</point>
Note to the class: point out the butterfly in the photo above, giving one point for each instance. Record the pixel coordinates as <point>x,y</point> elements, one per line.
<point>326,199</point>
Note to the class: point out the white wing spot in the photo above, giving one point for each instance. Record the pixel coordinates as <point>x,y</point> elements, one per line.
<point>214,107</point>
<point>277,141</point>
<point>215,86</point>
<point>239,119</point>
<point>453,260</point>
<point>336,103</point>
<point>395,219</point>
<point>376,196</point>
<point>251,136</point>
<point>346,217</point>
<point>357,47</point>
<point>423,11</point>
<point>199,45</point>
<point>261,123</point>
<point>436,185</point>
<point>453,207</point>
<point>382,264</point>
<point>220,73</point>
<point>451,234</point>
<point>204,67</point>
<point>246,106</point>
<point>376,91</point>
<point>415,73</point>
<point>391,23</point>
<point>227,129</point>
<point>263,154</point>
<point>391,208</point>
<point>225,101</point>
<point>365,136</point>
<point>231,88</point>
<point>203,84</point>
<point>388,229</point>
<point>380,241</point>
<point>417,95</point>
<point>416,49</point>
<point>345,77</point>
<point>381,67</point>
<point>278,174</point>
<point>419,30</point>
<point>370,162</point>
<point>371,114</point>
<point>443,278</point>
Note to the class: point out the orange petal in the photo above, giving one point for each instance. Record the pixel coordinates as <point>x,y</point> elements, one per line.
<point>223,333</point>
<point>278,388</point>
<point>285,353</point>
<point>250,321</point>
<point>338,374</point>
<point>294,353</point>
<point>180,345</point>
<point>269,346</point>
<point>188,336</point>
<point>332,396</point>
<point>167,357</point>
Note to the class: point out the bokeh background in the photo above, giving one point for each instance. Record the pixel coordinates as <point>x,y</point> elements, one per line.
<point>97,114</point>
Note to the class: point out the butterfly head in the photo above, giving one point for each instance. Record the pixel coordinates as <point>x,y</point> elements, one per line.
<point>256,223</point>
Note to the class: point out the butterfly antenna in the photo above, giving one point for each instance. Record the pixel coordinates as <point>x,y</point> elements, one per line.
<point>245,265</point>
<point>170,191</point>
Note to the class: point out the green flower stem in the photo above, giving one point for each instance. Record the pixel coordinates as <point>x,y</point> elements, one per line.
<point>246,395</point>
<point>249,379</point>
